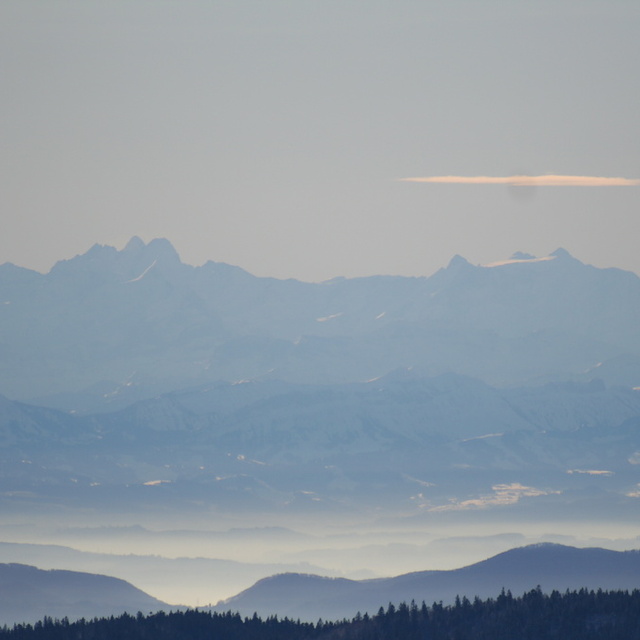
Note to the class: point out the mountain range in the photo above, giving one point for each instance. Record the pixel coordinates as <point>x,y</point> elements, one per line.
<point>122,325</point>
<point>130,378</point>
<point>401,442</point>
<point>29,594</point>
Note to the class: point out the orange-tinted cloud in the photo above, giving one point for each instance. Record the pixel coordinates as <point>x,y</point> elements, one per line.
<point>532,181</point>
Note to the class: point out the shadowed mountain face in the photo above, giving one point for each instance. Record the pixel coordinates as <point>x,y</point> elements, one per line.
<point>128,324</point>
<point>28,594</point>
<point>552,567</point>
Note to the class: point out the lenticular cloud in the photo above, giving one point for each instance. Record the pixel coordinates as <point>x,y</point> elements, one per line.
<point>532,181</point>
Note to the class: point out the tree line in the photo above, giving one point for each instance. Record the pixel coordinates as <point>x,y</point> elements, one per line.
<point>573,615</point>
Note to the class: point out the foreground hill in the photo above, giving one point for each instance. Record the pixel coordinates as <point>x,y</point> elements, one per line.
<point>552,567</point>
<point>569,616</point>
<point>123,325</point>
<point>27,594</point>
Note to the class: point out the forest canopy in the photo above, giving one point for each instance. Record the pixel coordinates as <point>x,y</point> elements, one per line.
<point>583,615</point>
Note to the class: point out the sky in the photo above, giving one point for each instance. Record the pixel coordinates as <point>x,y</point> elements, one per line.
<point>278,135</point>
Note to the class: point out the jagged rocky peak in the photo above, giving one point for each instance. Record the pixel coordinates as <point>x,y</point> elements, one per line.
<point>563,254</point>
<point>105,261</point>
<point>163,249</point>
<point>96,258</point>
<point>135,244</point>
<point>458,262</point>
<point>96,251</point>
<point>157,249</point>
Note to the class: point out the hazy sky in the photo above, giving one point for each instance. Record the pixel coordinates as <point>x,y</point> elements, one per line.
<point>273,135</point>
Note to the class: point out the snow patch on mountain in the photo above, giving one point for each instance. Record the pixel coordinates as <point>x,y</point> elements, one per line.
<point>503,494</point>
<point>330,317</point>
<point>144,273</point>
<point>502,263</point>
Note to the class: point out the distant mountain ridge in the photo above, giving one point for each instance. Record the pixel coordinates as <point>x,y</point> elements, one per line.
<point>177,581</point>
<point>28,594</point>
<point>402,442</point>
<point>550,566</point>
<point>140,317</point>
<point>479,386</point>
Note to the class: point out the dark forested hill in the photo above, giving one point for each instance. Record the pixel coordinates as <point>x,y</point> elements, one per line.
<point>583,615</point>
